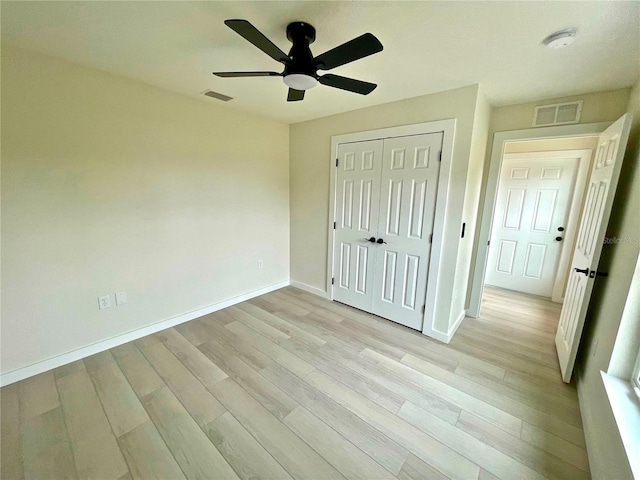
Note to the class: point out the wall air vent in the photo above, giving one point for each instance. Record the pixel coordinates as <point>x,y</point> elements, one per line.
<point>557,114</point>
<point>217,96</point>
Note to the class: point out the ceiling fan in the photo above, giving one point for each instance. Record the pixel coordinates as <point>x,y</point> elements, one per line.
<point>300,66</point>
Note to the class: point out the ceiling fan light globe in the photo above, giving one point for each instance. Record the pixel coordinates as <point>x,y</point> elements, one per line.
<point>299,81</point>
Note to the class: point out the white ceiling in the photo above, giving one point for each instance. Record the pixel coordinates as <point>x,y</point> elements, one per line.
<point>428,47</point>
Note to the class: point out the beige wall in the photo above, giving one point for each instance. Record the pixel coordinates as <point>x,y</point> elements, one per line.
<point>110,185</point>
<point>597,107</point>
<point>606,454</point>
<point>472,200</point>
<point>311,166</point>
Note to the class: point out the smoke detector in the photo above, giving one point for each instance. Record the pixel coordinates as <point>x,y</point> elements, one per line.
<point>560,39</point>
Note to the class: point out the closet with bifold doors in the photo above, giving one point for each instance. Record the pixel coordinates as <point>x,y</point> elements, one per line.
<point>385,207</point>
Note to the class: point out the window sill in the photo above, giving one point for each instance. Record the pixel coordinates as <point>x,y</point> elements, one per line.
<point>626,410</point>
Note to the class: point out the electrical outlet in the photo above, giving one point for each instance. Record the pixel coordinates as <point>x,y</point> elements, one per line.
<point>121,298</point>
<point>104,302</point>
<point>260,264</point>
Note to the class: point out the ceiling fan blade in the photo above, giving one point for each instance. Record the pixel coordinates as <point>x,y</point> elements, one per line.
<point>360,47</point>
<point>350,84</point>
<point>246,74</point>
<point>253,35</point>
<point>295,95</point>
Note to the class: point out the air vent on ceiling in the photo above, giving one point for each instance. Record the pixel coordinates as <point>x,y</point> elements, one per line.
<point>217,96</point>
<point>557,114</point>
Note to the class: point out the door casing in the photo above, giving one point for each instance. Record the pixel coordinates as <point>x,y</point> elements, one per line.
<point>447,127</point>
<point>491,192</point>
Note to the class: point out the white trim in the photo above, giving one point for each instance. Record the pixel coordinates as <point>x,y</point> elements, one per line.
<point>59,360</point>
<point>626,410</point>
<point>447,127</point>
<point>309,289</point>
<point>495,164</point>
<point>445,337</point>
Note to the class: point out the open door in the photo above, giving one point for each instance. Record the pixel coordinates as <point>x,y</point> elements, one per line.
<point>600,191</point>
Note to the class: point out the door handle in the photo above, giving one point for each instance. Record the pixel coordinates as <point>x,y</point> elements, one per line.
<point>595,274</point>
<point>558,239</point>
<point>372,239</point>
<point>585,271</point>
<point>561,229</point>
<point>380,241</point>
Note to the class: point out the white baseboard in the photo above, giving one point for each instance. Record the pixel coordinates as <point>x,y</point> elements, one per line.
<point>59,360</point>
<point>310,289</point>
<point>445,337</point>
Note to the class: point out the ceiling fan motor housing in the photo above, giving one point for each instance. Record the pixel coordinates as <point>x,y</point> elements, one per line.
<point>301,34</point>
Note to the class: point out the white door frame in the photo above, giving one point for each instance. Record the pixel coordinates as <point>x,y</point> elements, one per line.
<point>495,165</point>
<point>447,127</point>
<point>566,248</point>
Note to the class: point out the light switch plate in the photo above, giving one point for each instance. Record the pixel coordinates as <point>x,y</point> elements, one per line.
<point>121,298</point>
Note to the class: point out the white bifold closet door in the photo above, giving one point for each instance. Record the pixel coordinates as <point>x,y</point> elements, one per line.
<point>385,207</point>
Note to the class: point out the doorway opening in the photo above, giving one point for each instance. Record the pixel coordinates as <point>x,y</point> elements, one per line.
<point>539,199</point>
<point>507,178</point>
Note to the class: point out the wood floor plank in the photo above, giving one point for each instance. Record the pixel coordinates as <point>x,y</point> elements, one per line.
<point>196,362</point>
<point>550,443</point>
<point>345,457</point>
<point>416,469</point>
<point>461,399</point>
<point>518,449</point>
<point>191,448</point>
<point>562,408</point>
<point>258,325</point>
<point>430,450</point>
<point>248,353</point>
<point>140,375</point>
<point>477,451</point>
<point>282,325</point>
<point>495,399</point>
<point>286,447</point>
<point>317,326</point>
<point>202,406</point>
<point>243,452</point>
<point>147,455</point>
<point>269,396</point>
<point>381,448</point>
<point>405,389</point>
<point>46,448</point>
<point>100,457</point>
<point>38,395</point>
<point>270,349</point>
<point>11,451</point>
<point>121,405</point>
<point>324,361</point>
<point>337,324</point>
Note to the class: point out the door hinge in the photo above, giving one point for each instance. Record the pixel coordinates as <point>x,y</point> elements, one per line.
<point>488,242</point>
<point>423,308</point>
<point>440,156</point>
<point>431,238</point>
<point>336,162</point>
<point>334,225</point>
<point>332,281</point>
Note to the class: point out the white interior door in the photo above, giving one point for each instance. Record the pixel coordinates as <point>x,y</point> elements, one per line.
<point>385,208</point>
<point>601,188</point>
<point>409,186</point>
<point>357,206</point>
<point>530,222</point>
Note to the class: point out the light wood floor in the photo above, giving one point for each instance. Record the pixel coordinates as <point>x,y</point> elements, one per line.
<point>292,386</point>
